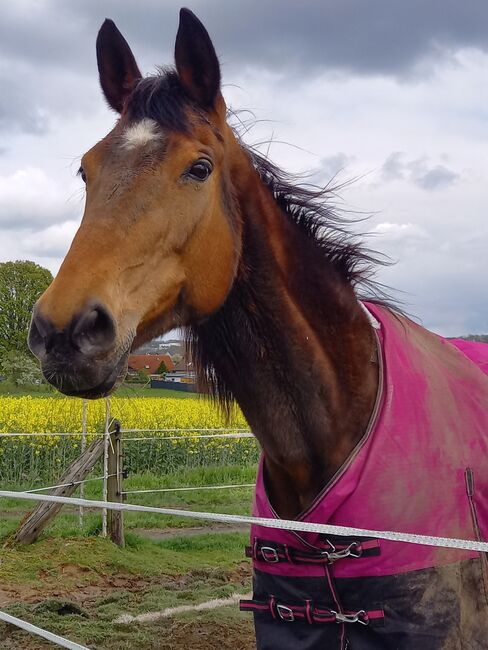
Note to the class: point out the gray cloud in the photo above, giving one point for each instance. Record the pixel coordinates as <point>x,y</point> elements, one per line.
<point>19,110</point>
<point>436,178</point>
<point>417,172</point>
<point>393,167</point>
<point>331,166</point>
<point>50,45</point>
<point>387,37</point>
<point>322,72</point>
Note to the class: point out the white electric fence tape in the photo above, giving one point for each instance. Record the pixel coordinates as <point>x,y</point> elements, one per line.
<point>282,524</point>
<point>72,484</point>
<point>33,629</point>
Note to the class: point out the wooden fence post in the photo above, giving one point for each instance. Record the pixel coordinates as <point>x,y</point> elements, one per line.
<point>115,518</point>
<point>34,523</point>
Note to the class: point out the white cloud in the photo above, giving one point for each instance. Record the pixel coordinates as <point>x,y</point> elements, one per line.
<point>400,231</point>
<point>29,198</point>
<point>53,242</point>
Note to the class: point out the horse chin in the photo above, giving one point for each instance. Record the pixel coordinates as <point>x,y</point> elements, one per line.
<point>103,389</point>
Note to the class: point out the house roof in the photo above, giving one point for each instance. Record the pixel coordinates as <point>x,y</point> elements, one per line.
<point>150,363</point>
<point>184,365</point>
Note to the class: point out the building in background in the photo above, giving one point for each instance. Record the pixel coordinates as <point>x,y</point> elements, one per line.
<point>150,364</point>
<point>182,377</point>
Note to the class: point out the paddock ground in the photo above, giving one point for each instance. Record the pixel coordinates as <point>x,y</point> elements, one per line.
<point>78,585</point>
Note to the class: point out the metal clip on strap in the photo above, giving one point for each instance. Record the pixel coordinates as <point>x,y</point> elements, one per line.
<point>358,617</point>
<point>353,550</point>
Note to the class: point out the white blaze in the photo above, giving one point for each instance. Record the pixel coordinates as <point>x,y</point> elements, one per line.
<point>140,134</point>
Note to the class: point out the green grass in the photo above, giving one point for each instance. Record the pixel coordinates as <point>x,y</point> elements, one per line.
<point>101,581</point>
<point>7,388</point>
<point>238,498</point>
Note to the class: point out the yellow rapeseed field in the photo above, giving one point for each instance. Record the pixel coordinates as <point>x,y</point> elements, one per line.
<point>35,459</point>
<point>37,414</point>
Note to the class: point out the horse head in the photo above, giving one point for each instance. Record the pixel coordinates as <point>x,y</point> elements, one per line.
<point>159,241</point>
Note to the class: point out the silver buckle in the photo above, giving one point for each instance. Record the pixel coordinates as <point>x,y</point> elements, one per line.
<point>269,554</point>
<point>285,613</point>
<point>358,617</point>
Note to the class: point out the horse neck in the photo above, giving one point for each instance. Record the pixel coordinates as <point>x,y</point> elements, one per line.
<point>293,347</point>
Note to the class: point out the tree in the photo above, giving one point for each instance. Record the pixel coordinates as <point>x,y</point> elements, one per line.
<point>480,338</point>
<point>142,377</point>
<point>20,368</point>
<point>163,369</point>
<point>21,284</point>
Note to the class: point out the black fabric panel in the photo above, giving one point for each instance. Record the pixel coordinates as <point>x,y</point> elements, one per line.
<point>442,608</point>
<point>274,634</point>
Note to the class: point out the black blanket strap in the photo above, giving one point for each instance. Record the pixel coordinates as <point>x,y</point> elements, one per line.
<point>311,613</point>
<point>272,553</point>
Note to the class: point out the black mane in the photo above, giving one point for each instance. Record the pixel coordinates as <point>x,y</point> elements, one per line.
<point>311,209</point>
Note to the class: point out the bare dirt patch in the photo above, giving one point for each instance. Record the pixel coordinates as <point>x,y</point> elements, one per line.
<point>103,585</point>
<point>206,635</point>
<point>79,593</point>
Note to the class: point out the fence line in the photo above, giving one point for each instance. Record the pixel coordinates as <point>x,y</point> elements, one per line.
<point>190,488</point>
<point>237,433</point>
<point>105,505</point>
<point>106,445</point>
<point>33,629</point>
<point>83,447</point>
<point>42,434</point>
<point>80,483</point>
<point>183,438</point>
<point>281,524</point>
<point>233,429</point>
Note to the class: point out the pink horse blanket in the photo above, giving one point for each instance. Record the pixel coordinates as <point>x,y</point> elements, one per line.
<point>421,467</point>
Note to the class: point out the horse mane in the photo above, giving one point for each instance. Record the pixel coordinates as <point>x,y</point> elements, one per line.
<point>310,208</point>
<point>161,98</point>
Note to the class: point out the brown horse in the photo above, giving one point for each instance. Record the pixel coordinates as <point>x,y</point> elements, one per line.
<point>186,227</point>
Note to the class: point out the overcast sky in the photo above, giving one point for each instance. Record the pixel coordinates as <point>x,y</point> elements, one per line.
<point>391,93</point>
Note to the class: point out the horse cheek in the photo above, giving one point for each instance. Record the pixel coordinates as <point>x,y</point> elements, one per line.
<point>210,262</point>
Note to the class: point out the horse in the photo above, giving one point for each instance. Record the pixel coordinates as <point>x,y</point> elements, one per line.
<point>364,418</point>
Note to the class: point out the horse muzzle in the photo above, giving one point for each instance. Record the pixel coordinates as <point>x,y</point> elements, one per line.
<point>82,359</point>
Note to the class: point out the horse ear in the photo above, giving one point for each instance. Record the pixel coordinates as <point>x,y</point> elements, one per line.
<point>116,65</point>
<point>196,61</point>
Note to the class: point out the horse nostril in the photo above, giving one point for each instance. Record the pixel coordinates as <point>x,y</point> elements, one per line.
<point>93,331</point>
<point>39,331</point>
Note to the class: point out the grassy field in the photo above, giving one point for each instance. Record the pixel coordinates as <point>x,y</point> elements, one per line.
<point>76,584</point>
<point>126,390</point>
<point>229,500</point>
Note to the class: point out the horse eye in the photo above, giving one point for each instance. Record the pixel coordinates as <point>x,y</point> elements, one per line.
<point>200,170</point>
<point>81,172</point>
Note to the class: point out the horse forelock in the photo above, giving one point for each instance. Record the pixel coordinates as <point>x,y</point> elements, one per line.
<point>160,98</point>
